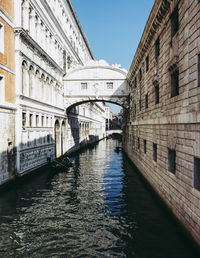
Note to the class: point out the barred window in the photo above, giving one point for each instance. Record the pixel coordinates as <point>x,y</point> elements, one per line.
<point>157,94</point>
<point>171,160</point>
<point>155,152</point>
<point>145,146</point>
<point>199,70</point>
<point>157,48</point>
<point>174,22</point>
<point>174,84</point>
<point>197,173</point>
<point>146,101</point>
<point>147,63</point>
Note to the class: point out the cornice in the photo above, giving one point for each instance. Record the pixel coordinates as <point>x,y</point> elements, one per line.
<point>31,42</point>
<point>56,23</point>
<point>80,28</point>
<point>158,12</point>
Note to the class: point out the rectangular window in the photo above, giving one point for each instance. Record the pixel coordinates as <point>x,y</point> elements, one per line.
<point>174,22</point>
<point>37,120</point>
<point>157,94</point>
<point>157,48</point>
<point>174,84</point>
<point>199,70</point>
<point>140,74</point>
<point>135,108</point>
<point>83,86</point>
<point>1,38</point>
<point>146,101</point>
<point>172,160</point>
<point>155,152</point>
<point>133,140</point>
<point>135,82</point>
<point>42,118</point>
<point>31,120</point>
<point>147,63</point>
<point>140,104</point>
<point>23,119</point>
<point>145,146</point>
<point>197,173</point>
<point>138,143</point>
<point>110,85</point>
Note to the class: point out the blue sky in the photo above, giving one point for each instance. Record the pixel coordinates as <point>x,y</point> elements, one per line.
<point>113,27</point>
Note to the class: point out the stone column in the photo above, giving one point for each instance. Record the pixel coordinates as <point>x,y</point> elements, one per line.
<point>32,24</point>
<point>25,15</point>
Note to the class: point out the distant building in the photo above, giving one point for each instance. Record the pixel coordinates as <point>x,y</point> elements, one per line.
<point>116,121</point>
<point>108,114</point>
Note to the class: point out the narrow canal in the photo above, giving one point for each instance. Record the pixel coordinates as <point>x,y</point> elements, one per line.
<point>98,208</point>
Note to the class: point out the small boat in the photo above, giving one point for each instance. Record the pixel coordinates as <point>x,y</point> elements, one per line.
<point>118,149</point>
<point>62,163</point>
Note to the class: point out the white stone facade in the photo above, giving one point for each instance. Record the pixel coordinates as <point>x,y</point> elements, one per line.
<point>49,41</point>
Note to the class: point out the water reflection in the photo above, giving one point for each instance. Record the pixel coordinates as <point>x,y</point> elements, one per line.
<point>98,208</point>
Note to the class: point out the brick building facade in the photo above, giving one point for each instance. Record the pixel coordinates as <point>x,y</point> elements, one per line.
<point>163,127</point>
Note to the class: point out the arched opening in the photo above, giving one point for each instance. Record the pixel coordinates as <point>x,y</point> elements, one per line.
<point>63,143</point>
<point>57,138</point>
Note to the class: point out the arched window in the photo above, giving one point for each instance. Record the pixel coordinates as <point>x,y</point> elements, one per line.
<point>31,79</point>
<point>24,77</point>
<point>42,87</point>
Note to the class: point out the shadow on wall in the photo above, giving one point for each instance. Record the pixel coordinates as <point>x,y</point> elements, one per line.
<point>36,153</point>
<point>79,132</point>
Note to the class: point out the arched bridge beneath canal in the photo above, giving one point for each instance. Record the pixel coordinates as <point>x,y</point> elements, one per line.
<point>96,81</point>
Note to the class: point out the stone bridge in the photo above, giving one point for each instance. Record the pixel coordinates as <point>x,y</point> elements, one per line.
<point>96,81</point>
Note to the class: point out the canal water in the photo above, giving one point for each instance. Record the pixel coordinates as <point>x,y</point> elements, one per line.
<point>97,208</point>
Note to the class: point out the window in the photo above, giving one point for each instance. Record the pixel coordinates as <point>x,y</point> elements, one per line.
<point>83,86</point>
<point>174,84</point>
<point>140,74</point>
<point>199,70</point>
<point>157,48</point>
<point>197,173</point>
<point>147,63</point>
<point>135,108</point>
<point>140,104</point>
<point>155,152</point>
<point>157,94</point>
<point>110,85</point>
<point>146,101</point>
<point>145,146</point>
<point>31,120</point>
<point>1,38</point>
<point>172,160</point>
<point>42,118</point>
<point>138,143</point>
<point>23,119</point>
<point>174,22</point>
<point>135,82</point>
<point>37,120</point>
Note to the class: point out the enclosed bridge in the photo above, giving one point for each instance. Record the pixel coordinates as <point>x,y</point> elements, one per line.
<point>96,81</point>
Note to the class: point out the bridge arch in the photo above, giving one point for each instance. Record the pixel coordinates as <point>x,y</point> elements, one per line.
<point>96,81</point>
